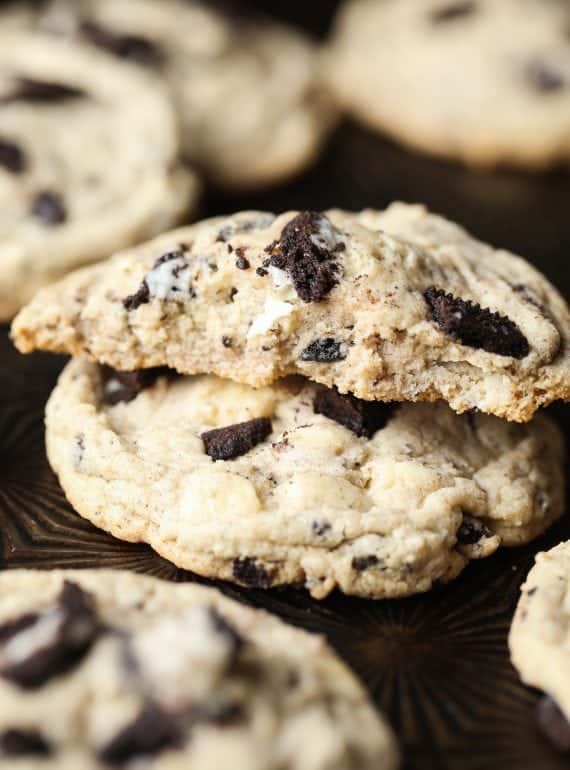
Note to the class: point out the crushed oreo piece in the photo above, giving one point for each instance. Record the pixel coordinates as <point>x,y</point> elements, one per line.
<point>132,47</point>
<point>250,573</point>
<point>73,628</point>
<point>474,326</point>
<point>163,285</point>
<point>49,207</point>
<point>544,78</point>
<point>304,251</point>
<point>453,11</point>
<point>12,157</point>
<point>140,297</point>
<point>320,528</point>
<point>19,742</point>
<point>325,350</point>
<point>362,563</point>
<point>364,418</point>
<point>41,92</point>
<point>241,262</point>
<point>152,731</point>
<point>236,440</point>
<point>472,530</point>
<point>122,387</point>
<point>553,724</point>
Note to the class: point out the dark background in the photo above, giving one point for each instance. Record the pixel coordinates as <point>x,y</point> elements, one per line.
<point>436,664</point>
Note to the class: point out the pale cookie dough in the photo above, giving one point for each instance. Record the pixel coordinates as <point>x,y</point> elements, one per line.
<point>104,669</point>
<point>540,639</point>
<point>247,89</point>
<point>296,484</point>
<point>483,81</point>
<point>88,162</point>
<point>334,297</point>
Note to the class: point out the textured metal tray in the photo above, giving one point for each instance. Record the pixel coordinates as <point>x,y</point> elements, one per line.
<point>437,664</point>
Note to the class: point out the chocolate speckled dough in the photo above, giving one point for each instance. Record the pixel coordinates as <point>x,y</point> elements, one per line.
<point>540,640</point>
<point>134,672</point>
<point>247,90</point>
<point>294,483</point>
<point>88,162</point>
<point>485,81</point>
<point>341,298</point>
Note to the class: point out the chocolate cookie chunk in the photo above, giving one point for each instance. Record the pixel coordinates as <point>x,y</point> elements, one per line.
<point>361,417</point>
<point>235,440</point>
<point>477,327</point>
<point>54,641</point>
<point>308,251</point>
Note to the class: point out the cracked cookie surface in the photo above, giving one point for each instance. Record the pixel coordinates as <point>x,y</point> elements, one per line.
<point>389,305</point>
<point>131,671</point>
<point>79,136</point>
<point>417,71</point>
<point>297,484</point>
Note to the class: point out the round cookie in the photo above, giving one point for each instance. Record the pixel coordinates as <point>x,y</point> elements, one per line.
<point>540,639</point>
<point>296,484</point>
<point>88,162</point>
<point>246,89</point>
<point>397,305</point>
<point>483,81</point>
<point>102,668</point>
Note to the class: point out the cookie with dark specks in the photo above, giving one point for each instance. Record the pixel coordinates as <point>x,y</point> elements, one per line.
<point>296,484</point>
<point>88,161</point>
<point>247,90</point>
<point>177,676</point>
<point>395,305</point>
<point>540,641</point>
<point>483,81</point>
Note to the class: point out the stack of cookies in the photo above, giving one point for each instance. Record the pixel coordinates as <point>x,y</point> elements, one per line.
<point>241,398</point>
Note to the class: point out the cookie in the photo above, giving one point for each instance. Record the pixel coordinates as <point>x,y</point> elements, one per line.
<point>295,483</point>
<point>246,89</point>
<point>423,313</point>
<point>483,81</point>
<point>540,641</point>
<point>88,162</point>
<point>106,669</point>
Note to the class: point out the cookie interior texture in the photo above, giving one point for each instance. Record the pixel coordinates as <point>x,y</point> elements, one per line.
<point>79,134</point>
<point>415,71</point>
<point>388,305</point>
<point>111,669</point>
<point>539,639</point>
<point>246,89</point>
<point>296,484</point>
